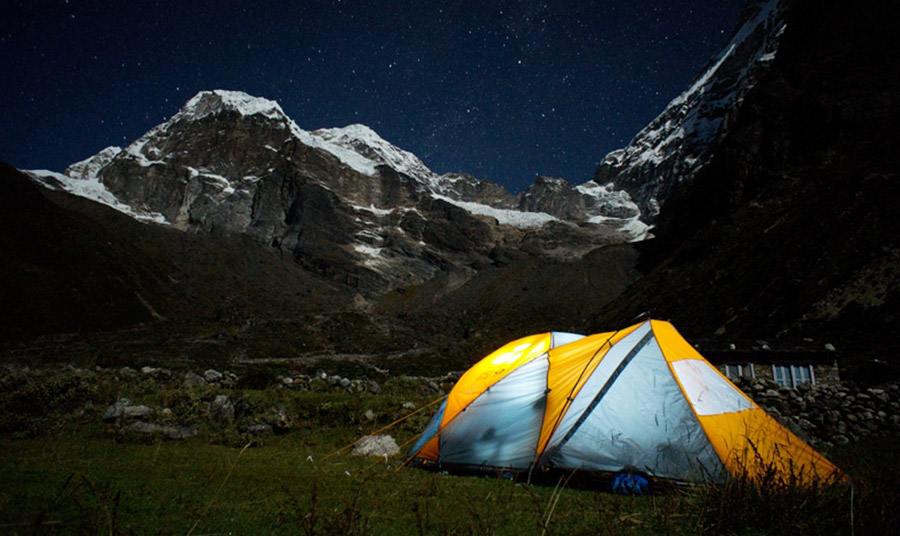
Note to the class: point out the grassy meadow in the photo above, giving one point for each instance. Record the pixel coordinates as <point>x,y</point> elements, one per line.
<point>65,471</point>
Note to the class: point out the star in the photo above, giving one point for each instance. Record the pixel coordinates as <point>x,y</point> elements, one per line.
<point>474,88</point>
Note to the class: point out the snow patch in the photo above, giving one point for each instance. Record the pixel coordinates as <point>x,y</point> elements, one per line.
<point>373,255</point>
<point>371,208</point>
<point>91,188</point>
<point>503,216</point>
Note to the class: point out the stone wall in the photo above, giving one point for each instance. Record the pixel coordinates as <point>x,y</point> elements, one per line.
<point>831,413</point>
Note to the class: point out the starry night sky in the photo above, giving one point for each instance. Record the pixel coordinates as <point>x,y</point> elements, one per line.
<point>502,90</point>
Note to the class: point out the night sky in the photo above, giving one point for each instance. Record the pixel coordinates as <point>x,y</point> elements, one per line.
<point>502,90</point>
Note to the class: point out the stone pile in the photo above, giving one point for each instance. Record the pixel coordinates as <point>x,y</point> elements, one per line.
<point>133,416</point>
<point>321,380</point>
<point>829,414</point>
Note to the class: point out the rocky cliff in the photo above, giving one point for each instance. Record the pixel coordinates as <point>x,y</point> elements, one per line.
<point>665,156</point>
<point>792,227</point>
<point>342,202</point>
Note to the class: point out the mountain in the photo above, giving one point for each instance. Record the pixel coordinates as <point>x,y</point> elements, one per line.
<point>668,153</point>
<point>342,202</point>
<point>70,265</point>
<point>771,184</point>
<point>791,227</point>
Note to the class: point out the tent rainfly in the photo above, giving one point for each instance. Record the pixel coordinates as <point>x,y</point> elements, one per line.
<point>639,399</point>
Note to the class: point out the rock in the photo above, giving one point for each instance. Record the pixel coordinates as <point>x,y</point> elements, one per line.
<point>221,409</point>
<point>156,373</point>
<point>344,382</point>
<point>369,415</point>
<point>259,429</point>
<point>115,411</point>
<point>287,380</point>
<point>281,422</point>
<point>213,376</point>
<point>127,371</point>
<point>377,445</point>
<point>166,412</point>
<point>136,412</point>
<point>795,428</point>
<point>169,432</point>
<point>192,379</point>
<point>409,405</point>
<point>771,393</point>
<point>841,439</point>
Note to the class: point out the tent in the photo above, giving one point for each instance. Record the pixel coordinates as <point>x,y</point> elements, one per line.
<point>640,399</point>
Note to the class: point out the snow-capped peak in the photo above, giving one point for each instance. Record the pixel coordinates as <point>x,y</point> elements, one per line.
<point>217,100</point>
<point>367,143</point>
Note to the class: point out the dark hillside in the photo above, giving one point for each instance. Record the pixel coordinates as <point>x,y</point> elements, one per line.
<point>72,265</point>
<point>792,229</point>
<point>62,272</point>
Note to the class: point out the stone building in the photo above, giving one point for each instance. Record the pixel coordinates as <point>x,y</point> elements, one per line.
<point>789,364</point>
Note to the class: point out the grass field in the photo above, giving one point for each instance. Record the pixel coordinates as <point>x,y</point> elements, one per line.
<point>74,474</point>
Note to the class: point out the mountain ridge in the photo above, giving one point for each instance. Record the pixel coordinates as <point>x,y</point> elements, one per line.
<point>666,154</point>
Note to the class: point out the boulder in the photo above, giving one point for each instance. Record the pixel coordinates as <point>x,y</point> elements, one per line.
<point>221,409</point>
<point>169,432</point>
<point>115,411</point>
<point>259,429</point>
<point>192,379</point>
<point>376,445</point>
<point>213,376</point>
<point>281,422</point>
<point>136,412</point>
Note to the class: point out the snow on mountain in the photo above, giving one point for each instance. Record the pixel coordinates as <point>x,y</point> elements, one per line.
<point>213,102</point>
<point>363,141</point>
<point>91,188</point>
<point>81,179</point>
<point>358,147</point>
<point>515,218</point>
<point>89,167</point>
<point>678,143</point>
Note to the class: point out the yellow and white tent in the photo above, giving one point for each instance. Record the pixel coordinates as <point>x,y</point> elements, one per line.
<point>638,399</point>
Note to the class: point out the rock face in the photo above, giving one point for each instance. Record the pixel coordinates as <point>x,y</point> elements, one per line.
<point>342,202</point>
<point>792,228</point>
<point>667,153</point>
